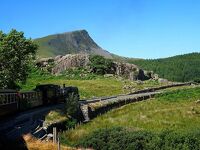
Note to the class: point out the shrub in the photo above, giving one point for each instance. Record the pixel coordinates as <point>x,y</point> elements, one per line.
<point>100,65</point>
<point>119,138</point>
<point>197,80</point>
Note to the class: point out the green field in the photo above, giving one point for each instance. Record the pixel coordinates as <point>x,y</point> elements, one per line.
<point>89,86</point>
<point>176,110</point>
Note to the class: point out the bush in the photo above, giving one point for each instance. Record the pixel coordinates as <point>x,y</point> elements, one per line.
<point>119,139</point>
<point>100,65</point>
<point>125,139</point>
<point>197,80</point>
<point>71,123</point>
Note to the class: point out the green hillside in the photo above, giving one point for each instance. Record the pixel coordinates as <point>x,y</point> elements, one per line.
<point>178,68</point>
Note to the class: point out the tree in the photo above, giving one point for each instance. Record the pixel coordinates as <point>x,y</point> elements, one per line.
<point>16,52</point>
<point>100,65</point>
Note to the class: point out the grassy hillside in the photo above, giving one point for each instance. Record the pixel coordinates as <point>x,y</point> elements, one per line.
<point>178,68</point>
<point>44,49</point>
<point>174,111</point>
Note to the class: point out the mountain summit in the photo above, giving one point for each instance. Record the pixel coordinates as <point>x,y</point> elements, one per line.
<point>69,43</point>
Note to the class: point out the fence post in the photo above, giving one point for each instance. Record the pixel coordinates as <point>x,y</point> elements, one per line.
<point>54,135</point>
<point>58,143</point>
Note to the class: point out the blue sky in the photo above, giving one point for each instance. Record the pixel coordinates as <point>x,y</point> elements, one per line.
<point>131,28</point>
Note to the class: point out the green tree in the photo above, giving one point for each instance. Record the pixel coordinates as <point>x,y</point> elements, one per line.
<point>100,65</point>
<point>16,52</point>
<point>178,68</point>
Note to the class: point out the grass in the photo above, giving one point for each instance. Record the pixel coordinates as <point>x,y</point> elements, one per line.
<point>176,110</point>
<point>87,88</point>
<point>94,87</point>
<point>55,116</point>
<point>35,144</point>
<point>90,86</point>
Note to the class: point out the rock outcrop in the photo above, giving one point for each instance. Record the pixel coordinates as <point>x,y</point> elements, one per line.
<point>70,61</point>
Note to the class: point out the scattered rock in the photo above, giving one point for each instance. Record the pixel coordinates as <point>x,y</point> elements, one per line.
<point>155,77</point>
<point>108,75</point>
<point>161,80</point>
<point>198,101</point>
<point>139,82</point>
<point>44,62</point>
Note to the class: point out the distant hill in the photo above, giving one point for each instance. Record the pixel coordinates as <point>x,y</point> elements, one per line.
<point>178,68</point>
<point>69,43</point>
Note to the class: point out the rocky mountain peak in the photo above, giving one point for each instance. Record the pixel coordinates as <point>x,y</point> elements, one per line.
<point>69,43</point>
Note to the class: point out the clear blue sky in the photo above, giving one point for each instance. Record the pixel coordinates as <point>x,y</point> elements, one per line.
<point>132,28</point>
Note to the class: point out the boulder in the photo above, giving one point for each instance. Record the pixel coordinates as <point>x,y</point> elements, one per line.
<point>44,62</point>
<point>198,101</point>
<point>161,80</point>
<point>108,75</point>
<point>70,61</point>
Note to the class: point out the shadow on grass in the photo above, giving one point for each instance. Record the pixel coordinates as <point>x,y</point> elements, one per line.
<point>14,144</point>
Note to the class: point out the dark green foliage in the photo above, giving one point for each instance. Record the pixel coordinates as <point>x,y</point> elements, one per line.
<point>100,65</point>
<point>177,140</point>
<point>72,104</point>
<point>197,80</point>
<point>36,72</point>
<point>119,139</point>
<point>126,139</point>
<point>178,68</point>
<point>71,123</point>
<point>16,52</point>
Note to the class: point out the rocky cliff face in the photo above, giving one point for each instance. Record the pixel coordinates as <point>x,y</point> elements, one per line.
<point>69,61</point>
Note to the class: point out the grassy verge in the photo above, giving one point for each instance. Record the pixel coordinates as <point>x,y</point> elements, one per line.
<point>35,144</point>
<point>55,116</point>
<point>176,110</point>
